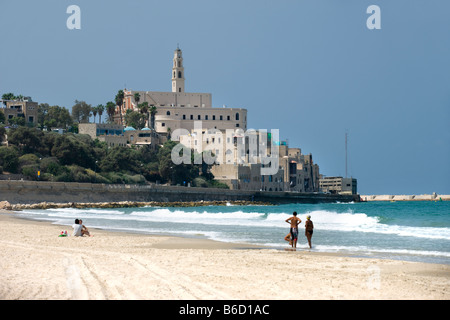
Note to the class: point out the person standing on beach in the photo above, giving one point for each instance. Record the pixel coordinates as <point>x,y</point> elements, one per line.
<point>309,226</point>
<point>294,222</point>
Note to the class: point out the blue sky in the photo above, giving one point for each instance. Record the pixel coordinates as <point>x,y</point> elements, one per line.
<point>311,69</point>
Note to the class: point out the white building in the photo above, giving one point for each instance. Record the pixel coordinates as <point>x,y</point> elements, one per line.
<point>180,109</point>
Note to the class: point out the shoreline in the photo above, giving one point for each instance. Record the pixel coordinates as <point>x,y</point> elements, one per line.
<point>37,264</point>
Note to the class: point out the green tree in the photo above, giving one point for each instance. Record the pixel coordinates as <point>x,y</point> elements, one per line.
<point>17,121</point>
<point>120,159</point>
<point>94,112</point>
<point>175,174</point>
<point>42,114</point>
<point>110,110</point>
<point>28,140</point>
<point>70,149</point>
<point>153,110</point>
<point>9,159</point>
<point>135,119</point>
<point>81,111</point>
<point>2,133</point>
<point>100,109</point>
<point>57,117</point>
<point>119,101</point>
<point>8,96</point>
<point>137,97</point>
<point>143,109</point>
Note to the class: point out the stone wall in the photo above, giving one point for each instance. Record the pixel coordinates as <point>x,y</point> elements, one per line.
<point>29,192</point>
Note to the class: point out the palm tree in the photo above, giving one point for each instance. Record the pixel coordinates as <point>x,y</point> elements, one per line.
<point>100,109</point>
<point>119,101</point>
<point>8,96</point>
<point>143,108</point>
<point>137,97</point>
<point>153,110</point>
<point>94,112</point>
<point>110,109</point>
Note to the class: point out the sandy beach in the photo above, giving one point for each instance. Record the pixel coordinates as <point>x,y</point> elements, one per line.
<point>37,264</point>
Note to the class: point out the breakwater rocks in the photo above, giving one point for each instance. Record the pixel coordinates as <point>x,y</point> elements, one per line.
<point>124,204</point>
<point>421,197</point>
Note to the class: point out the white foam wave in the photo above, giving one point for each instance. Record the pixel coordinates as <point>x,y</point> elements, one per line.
<point>322,219</point>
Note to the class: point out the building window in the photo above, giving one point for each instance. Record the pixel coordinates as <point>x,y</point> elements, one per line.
<point>168,113</point>
<point>163,124</point>
<point>199,117</point>
<point>228,117</point>
<point>179,74</point>
<point>221,118</point>
<point>214,117</point>
<point>184,117</point>
<point>206,117</point>
<point>237,125</point>
<point>237,115</point>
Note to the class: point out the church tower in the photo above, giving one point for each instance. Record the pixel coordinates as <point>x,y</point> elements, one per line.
<point>178,71</point>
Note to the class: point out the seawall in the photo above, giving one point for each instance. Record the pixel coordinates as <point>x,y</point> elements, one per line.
<point>30,192</point>
<point>421,197</point>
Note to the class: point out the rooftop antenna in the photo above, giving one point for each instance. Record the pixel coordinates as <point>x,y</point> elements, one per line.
<point>346,134</point>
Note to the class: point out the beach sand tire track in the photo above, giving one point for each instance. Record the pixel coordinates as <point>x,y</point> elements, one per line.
<point>180,286</point>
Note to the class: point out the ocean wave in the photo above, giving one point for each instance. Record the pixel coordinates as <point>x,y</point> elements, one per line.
<point>325,220</point>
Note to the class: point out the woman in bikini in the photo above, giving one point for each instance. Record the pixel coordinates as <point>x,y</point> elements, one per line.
<point>309,226</point>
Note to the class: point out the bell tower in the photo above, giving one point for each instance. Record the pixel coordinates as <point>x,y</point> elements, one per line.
<point>178,71</point>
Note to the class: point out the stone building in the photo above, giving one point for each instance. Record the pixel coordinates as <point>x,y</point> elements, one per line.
<point>115,135</point>
<point>338,185</point>
<point>26,109</point>
<point>239,160</point>
<point>110,133</point>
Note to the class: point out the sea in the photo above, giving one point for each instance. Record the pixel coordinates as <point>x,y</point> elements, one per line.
<point>403,230</point>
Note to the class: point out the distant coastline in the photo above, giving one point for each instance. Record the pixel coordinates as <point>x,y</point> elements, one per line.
<point>46,194</point>
<point>421,197</point>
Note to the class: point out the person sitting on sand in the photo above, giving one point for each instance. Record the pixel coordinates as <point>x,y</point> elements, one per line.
<point>77,228</point>
<point>309,226</point>
<point>84,230</point>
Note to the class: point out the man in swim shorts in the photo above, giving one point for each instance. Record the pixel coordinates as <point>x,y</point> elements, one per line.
<point>294,222</point>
